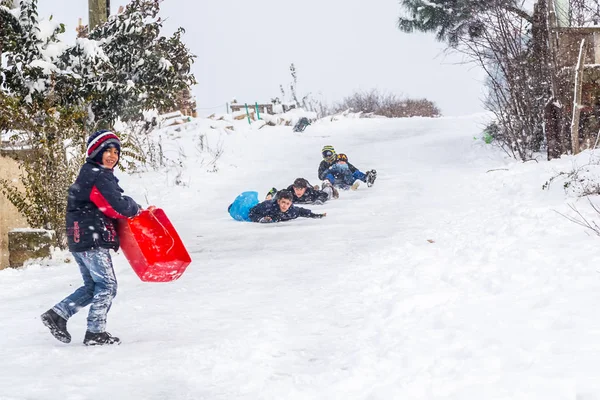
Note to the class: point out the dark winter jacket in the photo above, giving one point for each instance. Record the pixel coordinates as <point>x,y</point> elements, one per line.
<point>94,204</point>
<point>310,196</point>
<point>270,208</point>
<point>324,170</point>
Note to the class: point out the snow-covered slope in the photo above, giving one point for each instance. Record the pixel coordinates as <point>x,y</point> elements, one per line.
<point>453,277</point>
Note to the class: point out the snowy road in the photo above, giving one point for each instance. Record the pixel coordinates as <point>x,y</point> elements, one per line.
<point>445,280</point>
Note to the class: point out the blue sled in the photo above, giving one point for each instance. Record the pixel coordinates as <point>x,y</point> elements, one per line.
<point>240,208</point>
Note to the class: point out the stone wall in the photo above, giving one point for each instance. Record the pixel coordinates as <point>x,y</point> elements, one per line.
<point>10,218</point>
<point>26,244</point>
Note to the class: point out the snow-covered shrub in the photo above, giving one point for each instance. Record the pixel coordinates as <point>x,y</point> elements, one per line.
<point>580,181</point>
<point>387,105</point>
<point>307,102</point>
<point>47,169</point>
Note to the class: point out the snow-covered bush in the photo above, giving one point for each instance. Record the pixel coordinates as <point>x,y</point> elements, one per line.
<point>47,169</point>
<point>387,105</point>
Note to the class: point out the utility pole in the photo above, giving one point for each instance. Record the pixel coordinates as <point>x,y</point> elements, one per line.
<point>99,10</point>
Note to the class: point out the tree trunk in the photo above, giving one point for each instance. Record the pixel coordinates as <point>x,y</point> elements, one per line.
<point>542,70</point>
<point>553,126</point>
<point>97,13</point>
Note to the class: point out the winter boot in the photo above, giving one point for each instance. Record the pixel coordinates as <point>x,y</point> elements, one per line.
<point>99,339</point>
<point>57,325</point>
<point>370,178</point>
<point>336,194</point>
<point>328,188</point>
<point>270,194</point>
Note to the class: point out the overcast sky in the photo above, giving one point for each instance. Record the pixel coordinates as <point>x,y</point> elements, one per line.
<point>245,48</point>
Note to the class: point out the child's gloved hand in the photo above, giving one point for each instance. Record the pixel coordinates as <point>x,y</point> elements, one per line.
<point>139,211</point>
<point>321,215</point>
<point>265,220</point>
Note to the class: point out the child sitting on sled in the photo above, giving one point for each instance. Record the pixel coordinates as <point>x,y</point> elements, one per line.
<point>336,170</point>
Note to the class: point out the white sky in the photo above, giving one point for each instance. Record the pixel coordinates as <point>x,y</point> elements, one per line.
<point>244,50</point>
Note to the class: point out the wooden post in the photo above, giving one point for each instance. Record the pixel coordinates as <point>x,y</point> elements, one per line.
<point>577,99</point>
<point>98,12</point>
<point>247,113</point>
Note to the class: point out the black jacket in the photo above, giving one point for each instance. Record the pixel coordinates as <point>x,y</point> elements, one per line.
<point>94,204</point>
<point>310,195</point>
<point>270,208</point>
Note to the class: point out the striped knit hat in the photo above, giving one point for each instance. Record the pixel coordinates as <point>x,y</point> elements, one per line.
<point>328,153</point>
<point>99,141</point>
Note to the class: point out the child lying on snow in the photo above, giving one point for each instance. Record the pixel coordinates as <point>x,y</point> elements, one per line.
<point>280,209</point>
<point>304,193</point>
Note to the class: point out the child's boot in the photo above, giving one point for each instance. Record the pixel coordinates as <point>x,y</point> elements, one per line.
<point>370,178</point>
<point>330,190</point>
<point>100,339</point>
<point>57,325</point>
<point>270,194</point>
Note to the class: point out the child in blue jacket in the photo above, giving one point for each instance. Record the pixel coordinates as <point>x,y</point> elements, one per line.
<point>95,203</point>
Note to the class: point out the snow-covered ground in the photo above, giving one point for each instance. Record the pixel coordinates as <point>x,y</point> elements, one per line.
<point>453,277</point>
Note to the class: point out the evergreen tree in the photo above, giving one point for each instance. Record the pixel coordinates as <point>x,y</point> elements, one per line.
<point>123,68</point>
<point>451,19</point>
<point>134,68</point>
<point>29,66</point>
<point>49,91</point>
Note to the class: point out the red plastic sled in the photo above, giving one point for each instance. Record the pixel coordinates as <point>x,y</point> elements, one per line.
<point>153,247</point>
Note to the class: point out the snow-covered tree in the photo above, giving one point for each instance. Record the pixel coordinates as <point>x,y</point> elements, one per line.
<point>125,67</point>
<point>452,19</point>
<point>51,93</point>
<point>28,54</point>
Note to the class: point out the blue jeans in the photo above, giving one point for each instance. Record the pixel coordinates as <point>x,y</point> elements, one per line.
<point>99,288</point>
<point>360,176</point>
